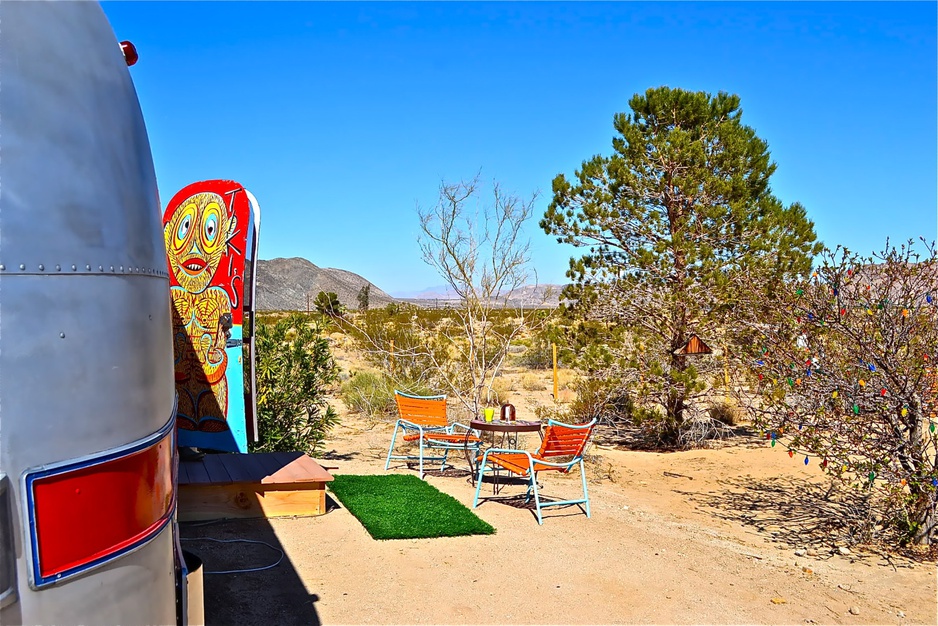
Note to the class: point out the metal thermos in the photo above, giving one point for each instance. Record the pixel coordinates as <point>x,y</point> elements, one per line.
<point>508,412</point>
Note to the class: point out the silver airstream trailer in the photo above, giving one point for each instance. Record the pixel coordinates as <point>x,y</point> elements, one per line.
<point>87,402</point>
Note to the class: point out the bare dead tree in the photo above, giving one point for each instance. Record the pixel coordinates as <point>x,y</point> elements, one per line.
<point>478,247</point>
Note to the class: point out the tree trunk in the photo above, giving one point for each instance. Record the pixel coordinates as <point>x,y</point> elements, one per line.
<point>929,521</point>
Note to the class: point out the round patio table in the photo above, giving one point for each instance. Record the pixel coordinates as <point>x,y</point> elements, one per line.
<point>507,429</point>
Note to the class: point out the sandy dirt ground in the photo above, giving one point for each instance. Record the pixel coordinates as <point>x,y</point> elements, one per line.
<point>700,537</point>
<point>739,534</point>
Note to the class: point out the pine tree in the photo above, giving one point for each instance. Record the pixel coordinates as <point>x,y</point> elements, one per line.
<point>363,294</point>
<point>683,235</point>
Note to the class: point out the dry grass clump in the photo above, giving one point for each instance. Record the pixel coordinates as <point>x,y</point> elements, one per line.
<point>502,388</point>
<point>532,382</point>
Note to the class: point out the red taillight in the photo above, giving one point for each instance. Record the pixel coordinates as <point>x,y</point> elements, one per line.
<point>130,53</point>
<point>86,513</point>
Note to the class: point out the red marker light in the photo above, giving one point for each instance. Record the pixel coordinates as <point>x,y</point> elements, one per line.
<point>130,53</point>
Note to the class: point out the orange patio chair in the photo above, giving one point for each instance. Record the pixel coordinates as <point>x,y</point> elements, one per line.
<point>560,441</point>
<point>423,419</point>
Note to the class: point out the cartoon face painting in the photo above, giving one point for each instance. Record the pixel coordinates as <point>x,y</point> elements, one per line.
<point>196,237</point>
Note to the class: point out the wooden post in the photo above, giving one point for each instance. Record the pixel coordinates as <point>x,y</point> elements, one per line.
<point>726,374</point>
<point>392,356</point>
<point>554,346</point>
<point>307,304</point>
<point>726,368</point>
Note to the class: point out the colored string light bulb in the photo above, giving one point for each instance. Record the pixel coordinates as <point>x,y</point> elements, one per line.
<point>905,312</point>
<point>805,460</point>
<point>872,476</point>
<point>869,311</point>
<point>773,442</point>
<point>934,482</point>
<point>800,292</point>
<point>862,383</point>
<point>791,383</point>
<point>843,311</point>
<point>834,394</point>
<point>928,298</point>
<point>872,367</point>
<point>791,453</point>
<point>905,411</point>
<point>931,427</point>
<point>824,463</point>
<point>856,409</point>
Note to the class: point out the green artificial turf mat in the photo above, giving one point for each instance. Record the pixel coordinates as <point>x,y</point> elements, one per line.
<point>396,506</point>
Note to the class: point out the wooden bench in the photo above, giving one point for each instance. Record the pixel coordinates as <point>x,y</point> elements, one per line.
<point>276,484</point>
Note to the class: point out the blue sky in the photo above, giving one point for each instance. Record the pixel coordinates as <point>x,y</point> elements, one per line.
<point>341,117</point>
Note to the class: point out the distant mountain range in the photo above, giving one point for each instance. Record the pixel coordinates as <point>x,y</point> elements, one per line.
<point>529,296</point>
<point>284,284</point>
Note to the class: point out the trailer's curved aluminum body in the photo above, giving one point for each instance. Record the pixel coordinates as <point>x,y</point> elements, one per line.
<point>85,332</point>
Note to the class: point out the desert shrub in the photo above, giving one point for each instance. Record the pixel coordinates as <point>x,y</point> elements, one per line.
<point>372,393</point>
<point>532,382</point>
<point>369,393</point>
<point>390,342</point>
<point>553,412</point>
<point>327,303</point>
<point>294,370</point>
<point>502,388</point>
<point>538,353</point>
<point>725,412</point>
<point>602,399</point>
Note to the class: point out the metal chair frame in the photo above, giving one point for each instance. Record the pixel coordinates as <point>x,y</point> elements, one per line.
<point>425,429</point>
<point>538,462</point>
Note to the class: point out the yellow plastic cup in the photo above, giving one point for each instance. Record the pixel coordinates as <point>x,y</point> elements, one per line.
<point>489,414</point>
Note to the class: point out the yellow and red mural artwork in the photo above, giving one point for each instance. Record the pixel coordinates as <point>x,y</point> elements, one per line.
<point>204,229</point>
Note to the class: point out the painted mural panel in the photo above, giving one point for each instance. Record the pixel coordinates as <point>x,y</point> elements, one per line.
<point>205,228</point>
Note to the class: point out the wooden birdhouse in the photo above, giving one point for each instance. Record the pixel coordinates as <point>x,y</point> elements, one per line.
<point>694,346</point>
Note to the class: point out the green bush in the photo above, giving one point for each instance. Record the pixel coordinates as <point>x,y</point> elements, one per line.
<point>539,354</point>
<point>603,399</point>
<point>294,370</point>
